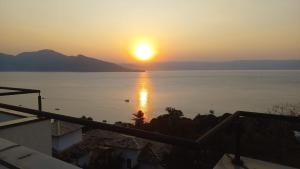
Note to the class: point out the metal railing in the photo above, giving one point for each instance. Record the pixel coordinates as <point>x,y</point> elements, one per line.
<point>19,91</point>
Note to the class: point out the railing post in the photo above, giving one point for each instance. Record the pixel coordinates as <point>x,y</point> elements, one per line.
<point>237,156</point>
<point>40,102</point>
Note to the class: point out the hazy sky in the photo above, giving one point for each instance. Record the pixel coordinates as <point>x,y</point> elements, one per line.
<point>178,29</point>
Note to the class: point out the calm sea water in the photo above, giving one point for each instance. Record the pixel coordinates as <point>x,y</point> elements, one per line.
<point>102,95</point>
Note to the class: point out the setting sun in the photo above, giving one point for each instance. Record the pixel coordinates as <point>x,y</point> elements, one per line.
<point>144,52</point>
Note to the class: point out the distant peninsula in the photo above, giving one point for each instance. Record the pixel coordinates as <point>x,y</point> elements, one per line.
<point>51,61</point>
<point>220,65</point>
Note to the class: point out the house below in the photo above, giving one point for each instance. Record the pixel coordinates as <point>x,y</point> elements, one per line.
<point>65,135</point>
<point>104,148</point>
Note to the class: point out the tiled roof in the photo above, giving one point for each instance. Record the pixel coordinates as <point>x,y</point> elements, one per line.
<point>112,139</point>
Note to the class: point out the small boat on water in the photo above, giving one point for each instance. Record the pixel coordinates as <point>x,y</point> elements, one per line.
<point>57,108</point>
<point>127,100</point>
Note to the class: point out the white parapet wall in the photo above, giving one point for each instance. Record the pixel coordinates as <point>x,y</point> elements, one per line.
<point>18,156</point>
<point>30,132</point>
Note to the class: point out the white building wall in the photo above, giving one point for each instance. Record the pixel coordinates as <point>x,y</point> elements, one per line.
<point>35,135</point>
<point>63,142</point>
<point>132,155</point>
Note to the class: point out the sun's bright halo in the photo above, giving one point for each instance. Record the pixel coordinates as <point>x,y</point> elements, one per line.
<point>143,52</point>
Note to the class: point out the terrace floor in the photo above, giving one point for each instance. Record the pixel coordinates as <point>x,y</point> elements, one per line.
<point>250,163</point>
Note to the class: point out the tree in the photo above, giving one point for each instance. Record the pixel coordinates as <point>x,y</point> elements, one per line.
<point>286,109</point>
<point>86,128</point>
<point>212,112</point>
<point>87,118</point>
<point>138,119</point>
<point>174,112</point>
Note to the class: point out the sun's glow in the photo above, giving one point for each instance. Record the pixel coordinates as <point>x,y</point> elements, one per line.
<point>144,52</point>
<point>143,99</point>
<point>143,93</point>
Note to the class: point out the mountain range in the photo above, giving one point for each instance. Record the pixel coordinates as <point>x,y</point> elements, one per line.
<point>221,65</point>
<point>52,61</point>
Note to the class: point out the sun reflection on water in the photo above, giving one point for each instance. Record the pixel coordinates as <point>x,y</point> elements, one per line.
<point>143,99</point>
<point>144,94</point>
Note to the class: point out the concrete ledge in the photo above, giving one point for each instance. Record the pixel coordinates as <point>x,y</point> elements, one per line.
<point>249,163</point>
<point>23,157</point>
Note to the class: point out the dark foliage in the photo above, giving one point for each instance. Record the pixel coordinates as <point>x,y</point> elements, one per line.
<point>265,139</point>
<point>138,119</point>
<point>87,128</point>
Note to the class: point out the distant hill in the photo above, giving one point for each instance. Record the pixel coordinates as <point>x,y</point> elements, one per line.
<point>49,60</point>
<point>224,65</point>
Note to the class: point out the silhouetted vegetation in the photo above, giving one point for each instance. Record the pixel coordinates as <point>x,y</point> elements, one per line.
<point>86,128</point>
<point>286,109</point>
<point>138,119</point>
<point>87,118</point>
<point>264,139</point>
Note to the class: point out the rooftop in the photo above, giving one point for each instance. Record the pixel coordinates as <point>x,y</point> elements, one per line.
<point>6,116</point>
<point>11,118</point>
<point>111,139</point>
<point>14,156</point>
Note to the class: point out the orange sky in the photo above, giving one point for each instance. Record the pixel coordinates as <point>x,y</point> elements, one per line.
<point>178,29</point>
